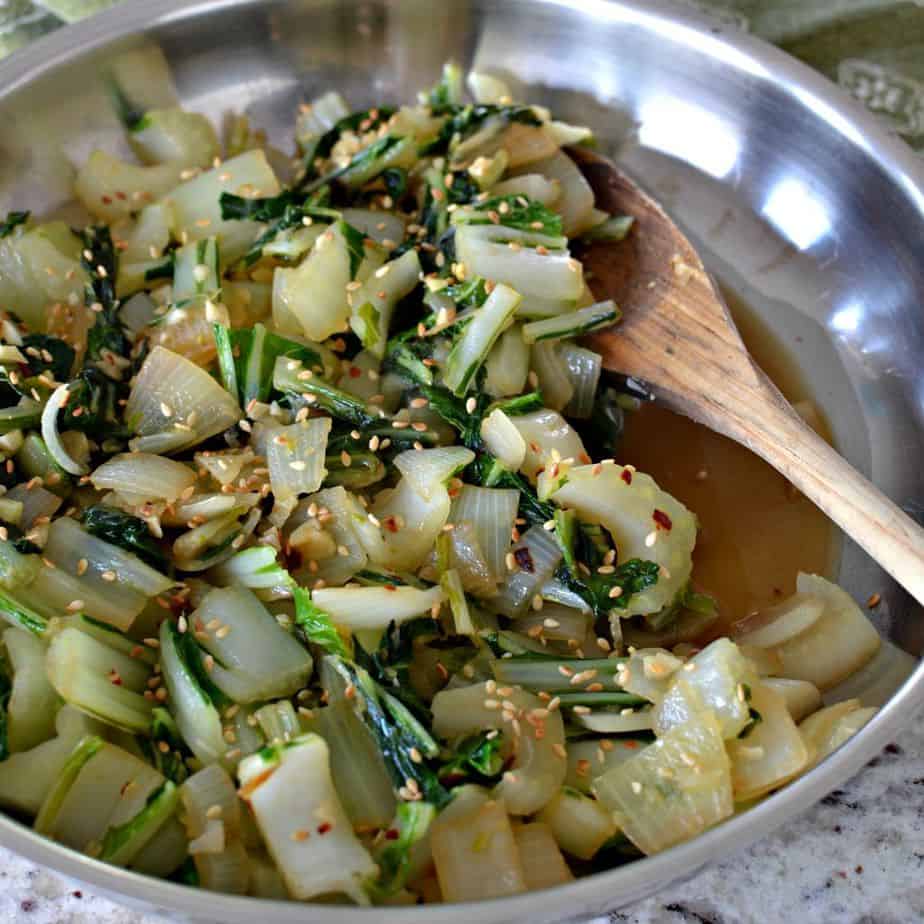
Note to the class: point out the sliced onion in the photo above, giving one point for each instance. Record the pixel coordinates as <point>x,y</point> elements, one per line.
<point>50,433</point>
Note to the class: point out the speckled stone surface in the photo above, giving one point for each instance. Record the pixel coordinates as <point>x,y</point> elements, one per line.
<point>855,858</point>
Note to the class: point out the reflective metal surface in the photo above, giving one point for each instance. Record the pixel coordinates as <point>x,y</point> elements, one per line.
<point>800,204</point>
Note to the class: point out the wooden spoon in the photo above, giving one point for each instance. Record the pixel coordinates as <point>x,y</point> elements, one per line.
<point>678,337</point>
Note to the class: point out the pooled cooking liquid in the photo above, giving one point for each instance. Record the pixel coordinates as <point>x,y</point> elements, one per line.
<point>756,531</point>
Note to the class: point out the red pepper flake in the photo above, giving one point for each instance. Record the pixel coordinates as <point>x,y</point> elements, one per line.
<point>324,827</point>
<point>524,560</point>
<point>392,834</point>
<point>391,524</point>
<point>662,520</point>
<point>390,587</point>
<point>107,200</point>
<point>626,475</point>
<point>355,372</point>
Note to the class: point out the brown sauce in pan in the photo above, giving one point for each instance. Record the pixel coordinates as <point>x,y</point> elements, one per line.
<point>756,531</point>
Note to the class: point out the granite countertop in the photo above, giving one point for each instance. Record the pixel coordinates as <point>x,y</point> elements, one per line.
<point>857,857</point>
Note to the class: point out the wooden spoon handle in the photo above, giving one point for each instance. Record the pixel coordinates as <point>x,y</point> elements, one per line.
<point>772,429</point>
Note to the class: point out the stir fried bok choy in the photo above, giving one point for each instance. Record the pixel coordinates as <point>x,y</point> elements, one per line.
<point>312,589</point>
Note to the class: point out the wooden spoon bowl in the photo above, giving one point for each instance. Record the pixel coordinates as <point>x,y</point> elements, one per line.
<point>678,337</point>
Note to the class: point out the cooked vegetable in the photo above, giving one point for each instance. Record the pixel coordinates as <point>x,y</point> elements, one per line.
<point>476,855</point>
<point>677,787</point>
<point>310,839</point>
<point>251,428</point>
<point>580,825</point>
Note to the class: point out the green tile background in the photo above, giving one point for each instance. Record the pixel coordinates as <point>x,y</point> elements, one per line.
<point>873,48</point>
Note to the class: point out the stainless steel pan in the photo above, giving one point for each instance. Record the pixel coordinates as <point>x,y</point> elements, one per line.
<point>799,201</point>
